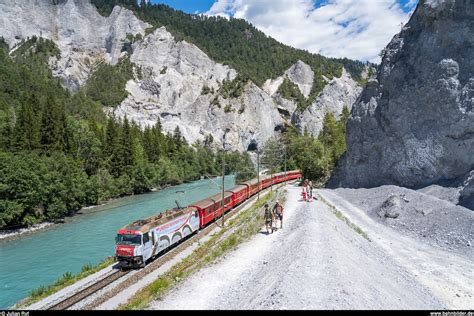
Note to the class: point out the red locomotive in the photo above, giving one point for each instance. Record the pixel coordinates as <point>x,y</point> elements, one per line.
<point>144,239</point>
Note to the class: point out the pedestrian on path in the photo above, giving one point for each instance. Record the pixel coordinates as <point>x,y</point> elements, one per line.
<point>303,194</point>
<point>278,211</point>
<point>268,219</point>
<point>310,188</point>
<point>308,192</point>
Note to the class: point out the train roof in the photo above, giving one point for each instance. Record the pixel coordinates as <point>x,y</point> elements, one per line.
<point>203,203</point>
<point>237,188</point>
<point>250,182</point>
<point>218,196</point>
<point>144,225</point>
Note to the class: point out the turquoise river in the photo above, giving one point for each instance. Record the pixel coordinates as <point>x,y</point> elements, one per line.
<point>40,258</point>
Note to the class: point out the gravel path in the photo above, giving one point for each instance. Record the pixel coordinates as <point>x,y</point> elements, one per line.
<point>315,262</point>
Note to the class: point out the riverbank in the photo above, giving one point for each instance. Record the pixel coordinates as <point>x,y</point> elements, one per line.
<point>14,233</point>
<point>83,239</point>
<point>9,234</point>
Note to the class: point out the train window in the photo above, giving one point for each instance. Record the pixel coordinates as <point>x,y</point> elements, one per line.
<point>128,239</point>
<point>146,238</point>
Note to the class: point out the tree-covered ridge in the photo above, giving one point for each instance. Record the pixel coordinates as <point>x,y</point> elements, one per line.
<point>237,43</point>
<point>59,152</point>
<point>316,157</point>
<point>107,83</point>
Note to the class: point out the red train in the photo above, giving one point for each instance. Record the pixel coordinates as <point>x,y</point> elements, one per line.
<point>146,238</point>
<point>209,209</point>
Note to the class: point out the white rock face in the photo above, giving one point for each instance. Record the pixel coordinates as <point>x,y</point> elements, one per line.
<point>81,33</point>
<point>339,92</point>
<point>413,125</point>
<point>302,75</point>
<point>271,86</point>
<point>175,73</point>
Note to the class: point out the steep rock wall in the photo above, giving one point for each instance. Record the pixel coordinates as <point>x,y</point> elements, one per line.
<point>414,124</point>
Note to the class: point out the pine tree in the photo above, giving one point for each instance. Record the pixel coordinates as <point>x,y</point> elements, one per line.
<point>27,130</point>
<point>113,148</point>
<point>6,132</point>
<point>273,155</point>
<point>127,154</point>
<point>53,126</point>
<point>158,144</point>
<point>177,137</point>
<point>110,139</point>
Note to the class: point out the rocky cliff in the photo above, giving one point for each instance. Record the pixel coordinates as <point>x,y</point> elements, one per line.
<point>414,124</point>
<point>173,90</point>
<point>84,37</point>
<point>337,93</point>
<point>178,83</point>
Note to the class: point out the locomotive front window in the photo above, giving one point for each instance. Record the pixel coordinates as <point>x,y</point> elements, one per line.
<point>128,239</point>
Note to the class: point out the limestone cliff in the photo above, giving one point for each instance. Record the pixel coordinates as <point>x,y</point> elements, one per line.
<point>172,90</point>
<point>84,37</point>
<point>174,81</point>
<point>337,93</point>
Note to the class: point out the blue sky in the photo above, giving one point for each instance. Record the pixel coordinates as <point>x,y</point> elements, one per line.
<point>189,6</point>
<point>201,6</point>
<point>357,29</point>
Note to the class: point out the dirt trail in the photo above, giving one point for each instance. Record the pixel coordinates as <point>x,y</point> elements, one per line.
<point>315,262</point>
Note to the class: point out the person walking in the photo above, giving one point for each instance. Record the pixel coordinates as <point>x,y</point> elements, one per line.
<point>278,211</point>
<point>303,194</point>
<point>306,188</point>
<point>310,187</point>
<point>268,219</point>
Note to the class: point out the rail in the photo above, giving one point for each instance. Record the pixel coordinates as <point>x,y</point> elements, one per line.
<point>88,291</point>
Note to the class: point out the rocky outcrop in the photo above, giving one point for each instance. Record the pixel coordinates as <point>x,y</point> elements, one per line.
<point>84,37</point>
<point>466,197</point>
<point>302,75</point>
<point>414,125</point>
<point>171,90</point>
<point>339,92</point>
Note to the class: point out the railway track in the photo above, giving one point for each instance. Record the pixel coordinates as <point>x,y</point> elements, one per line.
<point>81,295</point>
<point>159,261</point>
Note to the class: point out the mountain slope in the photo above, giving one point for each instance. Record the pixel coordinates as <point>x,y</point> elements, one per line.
<point>205,84</point>
<point>83,36</point>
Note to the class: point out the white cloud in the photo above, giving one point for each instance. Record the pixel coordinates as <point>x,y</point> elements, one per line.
<point>356,29</point>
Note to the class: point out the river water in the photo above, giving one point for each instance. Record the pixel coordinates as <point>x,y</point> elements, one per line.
<point>42,257</point>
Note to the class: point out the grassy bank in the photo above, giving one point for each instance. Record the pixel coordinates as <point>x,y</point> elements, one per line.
<point>237,230</point>
<point>65,280</point>
<point>343,218</point>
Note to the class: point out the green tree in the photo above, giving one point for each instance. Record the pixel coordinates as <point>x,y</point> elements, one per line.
<point>126,152</point>
<point>272,155</point>
<point>27,130</point>
<point>53,126</point>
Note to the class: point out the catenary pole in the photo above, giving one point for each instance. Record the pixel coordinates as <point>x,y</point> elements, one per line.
<point>258,173</point>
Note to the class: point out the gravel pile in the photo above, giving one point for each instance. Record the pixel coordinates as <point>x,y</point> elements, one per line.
<point>423,216</point>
